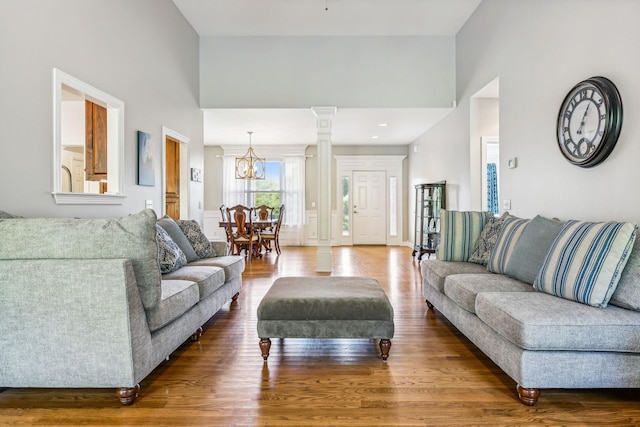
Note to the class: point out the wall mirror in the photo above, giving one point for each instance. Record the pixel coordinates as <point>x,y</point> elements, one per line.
<point>88,143</point>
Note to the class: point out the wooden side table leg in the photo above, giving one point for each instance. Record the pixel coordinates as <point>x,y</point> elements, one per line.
<point>385,345</point>
<point>265,345</point>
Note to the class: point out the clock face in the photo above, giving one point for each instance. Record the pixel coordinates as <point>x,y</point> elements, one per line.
<point>589,122</point>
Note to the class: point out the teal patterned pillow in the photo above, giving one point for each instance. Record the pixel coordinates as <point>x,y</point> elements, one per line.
<point>586,260</point>
<point>511,231</point>
<point>458,233</point>
<point>170,257</point>
<point>487,240</point>
<point>7,215</point>
<point>197,238</point>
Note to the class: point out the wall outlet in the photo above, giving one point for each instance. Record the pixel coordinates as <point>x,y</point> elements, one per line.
<point>313,204</point>
<point>148,204</point>
<point>506,204</point>
<point>512,163</point>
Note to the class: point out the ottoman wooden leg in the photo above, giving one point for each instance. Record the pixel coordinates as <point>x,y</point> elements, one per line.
<point>385,345</point>
<point>265,345</point>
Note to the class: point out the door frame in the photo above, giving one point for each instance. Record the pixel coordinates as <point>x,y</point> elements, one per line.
<point>392,165</point>
<point>184,171</point>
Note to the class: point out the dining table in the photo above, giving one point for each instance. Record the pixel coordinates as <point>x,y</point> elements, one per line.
<point>259,225</point>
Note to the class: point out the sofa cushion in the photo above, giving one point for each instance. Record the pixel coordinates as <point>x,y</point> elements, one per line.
<point>537,321</point>
<point>434,272</point>
<point>233,265</point>
<point>171,227</point>
<point>511,231</point>
<point>459,231</point>
<point>178,296</point>
<point>463,288</point>
<point>199,241</point>
<point>209,279</point>
<point>627,293</point>
<point>170,257</point>
<point>531,248</point>
<point>132,237</point>
<point>585,261</point>
<point>487,239</point>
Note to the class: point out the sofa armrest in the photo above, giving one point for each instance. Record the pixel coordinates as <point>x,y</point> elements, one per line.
<point>71,323</point>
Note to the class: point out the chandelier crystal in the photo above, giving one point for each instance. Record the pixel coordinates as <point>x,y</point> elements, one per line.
<point>250,166</point>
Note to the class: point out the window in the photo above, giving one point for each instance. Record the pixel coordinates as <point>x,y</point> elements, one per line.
<point>268,191</point>
<point>346,206</point>
<point>88,143</point>
<point>284,184</point>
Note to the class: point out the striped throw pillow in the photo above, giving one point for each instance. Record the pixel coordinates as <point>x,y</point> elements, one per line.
<point>459,232</point>
<point>511,231</point>
<point>585,261</point>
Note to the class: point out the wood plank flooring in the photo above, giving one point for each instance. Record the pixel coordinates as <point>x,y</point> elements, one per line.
<point>434,376</point>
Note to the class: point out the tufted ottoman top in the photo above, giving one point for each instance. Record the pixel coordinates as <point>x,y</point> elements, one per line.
<point>325,298</point>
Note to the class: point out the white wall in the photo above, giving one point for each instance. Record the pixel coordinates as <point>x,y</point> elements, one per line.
<point>142,52</point>
<point>539,50</point>
<point>301,72</point>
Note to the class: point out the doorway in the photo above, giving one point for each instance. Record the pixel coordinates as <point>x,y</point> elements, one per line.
<point>172,178</point>
<point>175,174</point>
<point>490,173</point>
<point>369,207</point>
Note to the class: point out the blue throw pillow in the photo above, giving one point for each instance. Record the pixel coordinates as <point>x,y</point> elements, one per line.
<point>586,260</point>
<point>459,231</point>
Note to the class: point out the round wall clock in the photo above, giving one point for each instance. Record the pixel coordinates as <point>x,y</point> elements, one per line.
<point>589,122</point>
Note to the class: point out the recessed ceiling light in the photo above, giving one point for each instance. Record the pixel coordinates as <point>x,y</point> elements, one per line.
<point>383,124</point>
<point>374,137</point>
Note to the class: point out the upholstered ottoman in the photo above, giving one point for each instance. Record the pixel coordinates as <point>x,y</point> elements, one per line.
<point>325,307</point>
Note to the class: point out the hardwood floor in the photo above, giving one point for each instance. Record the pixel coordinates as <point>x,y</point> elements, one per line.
<point>434,376</point>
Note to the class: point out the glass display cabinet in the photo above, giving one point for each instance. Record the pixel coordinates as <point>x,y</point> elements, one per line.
<point>430,198</point>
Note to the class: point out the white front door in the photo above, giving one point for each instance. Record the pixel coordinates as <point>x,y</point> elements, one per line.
<point>369,208</point>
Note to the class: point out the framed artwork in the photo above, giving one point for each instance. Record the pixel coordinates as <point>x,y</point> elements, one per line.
<point>196,174</point>
<point>146,168</point>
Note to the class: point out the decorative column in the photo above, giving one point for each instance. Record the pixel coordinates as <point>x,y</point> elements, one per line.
<point>324,115</point>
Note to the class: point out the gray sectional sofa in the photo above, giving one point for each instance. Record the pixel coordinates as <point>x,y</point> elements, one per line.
<point>84,303</point>
<point>554,304</point>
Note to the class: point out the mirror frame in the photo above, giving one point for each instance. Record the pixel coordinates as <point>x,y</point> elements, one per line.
<point>115,108</point>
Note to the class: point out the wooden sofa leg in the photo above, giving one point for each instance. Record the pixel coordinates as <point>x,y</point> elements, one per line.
<point>235,297</point>
<point>265,345</point>
<point>128,395</point>
<point>429,305</point>
<point>385,345</point>
<point>528,396</point>
<point>196,335</point>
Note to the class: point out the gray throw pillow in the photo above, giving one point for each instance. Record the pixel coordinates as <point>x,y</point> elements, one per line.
<point>199,241</point>
<point>532,248</point>
<point>172,228</point>
<point>170,257</point>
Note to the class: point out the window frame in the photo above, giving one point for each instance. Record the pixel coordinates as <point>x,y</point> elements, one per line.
<point>115,114</point>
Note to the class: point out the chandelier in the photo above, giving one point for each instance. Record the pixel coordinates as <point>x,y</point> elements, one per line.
<point>249,166</point>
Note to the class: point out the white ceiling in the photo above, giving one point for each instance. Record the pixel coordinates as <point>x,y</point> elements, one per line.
<point>309,18</point>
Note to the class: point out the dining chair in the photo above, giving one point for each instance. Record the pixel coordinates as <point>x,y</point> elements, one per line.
<point>273,236</point>
<point>224,217</point>
<point>265,213</point>
<point>242,234</point>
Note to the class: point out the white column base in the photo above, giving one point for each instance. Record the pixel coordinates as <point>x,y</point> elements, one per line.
<point>324,259</point>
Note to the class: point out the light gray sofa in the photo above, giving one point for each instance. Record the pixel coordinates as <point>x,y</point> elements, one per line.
<point>84,305</point>
<point>539,339</point>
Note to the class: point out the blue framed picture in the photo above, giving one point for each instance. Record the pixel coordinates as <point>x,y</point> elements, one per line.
<point>146,168</point>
